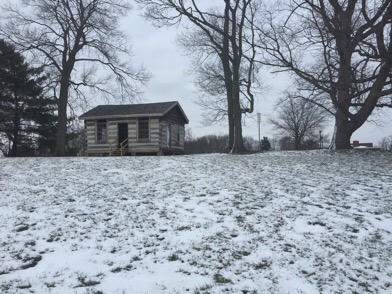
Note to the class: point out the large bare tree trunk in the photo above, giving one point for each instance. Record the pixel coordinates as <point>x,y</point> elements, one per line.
<point>231,124</point>
<point>238,144</point>
<point>62,107</point>
<point>228,74</point>
<point>343,132</point>
<point>61,125</point>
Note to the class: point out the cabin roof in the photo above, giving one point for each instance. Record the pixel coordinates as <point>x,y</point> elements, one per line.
<point>132,110</point>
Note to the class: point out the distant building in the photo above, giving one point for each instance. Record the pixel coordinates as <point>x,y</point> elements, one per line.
<point>357,144</point>
<point>135,129</point>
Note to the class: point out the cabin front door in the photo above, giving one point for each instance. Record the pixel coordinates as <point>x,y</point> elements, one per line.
<point>122,133</point>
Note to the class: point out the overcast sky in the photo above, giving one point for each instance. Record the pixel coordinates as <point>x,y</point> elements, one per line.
<point>157,51</point>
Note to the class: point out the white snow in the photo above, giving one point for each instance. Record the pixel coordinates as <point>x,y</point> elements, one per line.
<point>278,222</point>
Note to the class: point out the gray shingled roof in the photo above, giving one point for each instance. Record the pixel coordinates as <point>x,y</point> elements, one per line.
<point>131,110</point>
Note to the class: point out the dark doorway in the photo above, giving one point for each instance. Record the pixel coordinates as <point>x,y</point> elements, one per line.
<point>122,133</point>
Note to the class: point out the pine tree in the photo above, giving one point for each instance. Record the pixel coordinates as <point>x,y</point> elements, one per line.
<point>22,106</point>
<point>43,113</point>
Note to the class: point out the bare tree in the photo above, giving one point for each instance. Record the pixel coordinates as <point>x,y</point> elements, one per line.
<point>340,54</point>
<point>209,74</point>
<point>218,37</point>
<point>298,119</point>
<point>212,95</point>
<point>4,145</point>
<point>65,35</point>
<point>386,143</point>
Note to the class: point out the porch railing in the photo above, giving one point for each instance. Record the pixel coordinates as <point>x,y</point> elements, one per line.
<point>115,149</point>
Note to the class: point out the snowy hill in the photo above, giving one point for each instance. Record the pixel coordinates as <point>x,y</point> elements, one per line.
<point>287,222</point>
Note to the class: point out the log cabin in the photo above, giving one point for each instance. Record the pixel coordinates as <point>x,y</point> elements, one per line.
<point>135,129</point>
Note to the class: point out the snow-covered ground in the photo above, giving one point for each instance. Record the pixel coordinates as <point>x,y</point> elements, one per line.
<point>284,222</point>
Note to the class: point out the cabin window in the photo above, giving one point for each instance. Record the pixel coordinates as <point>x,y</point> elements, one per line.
<point>144,129</point>
<point>101,131</point>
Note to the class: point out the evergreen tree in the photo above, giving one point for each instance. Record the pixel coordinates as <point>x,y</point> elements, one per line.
<point>22,106</point>
<point>265,144</point>
<point>44,115</point>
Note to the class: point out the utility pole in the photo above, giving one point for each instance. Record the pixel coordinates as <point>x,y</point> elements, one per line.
<point>259,120</point>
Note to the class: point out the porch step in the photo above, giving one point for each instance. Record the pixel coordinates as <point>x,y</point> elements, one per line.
<point>117,152</point>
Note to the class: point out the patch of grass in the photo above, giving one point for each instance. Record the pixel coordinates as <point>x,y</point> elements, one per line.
<point>184,228</point>
<point>5,286</point>
<point>84,281</point>
<point>6,270</point>
<point>55,235</point>
<point>220,279</point>
<point>93,291</point>
<point>264,264</point>
<point>234,235</point>
<point>25,285</point>
<point>30,243</point>
<point>31,261</point>
<point>173,257</point>
<point>352,229</point>
<point>317,223</point>
<point>240,254</point>
<point>287,247</point>
<point>240,219</point>
<point>113,250</point>
<point>193,262</point>
<point>202,248</point>
<point>305,272</point>
<point>181,270</point>
<point>375,237</point>
<point>136,258</point>
<point>22,228</point>
<point>248,292</point>
<point>202,289</point>
<point>116,269</point>
<point>50,285</point>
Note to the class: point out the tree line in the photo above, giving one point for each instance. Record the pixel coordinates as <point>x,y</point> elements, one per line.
<point>386,143</point>
<point>218,144</point>
<point>338,54</point>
